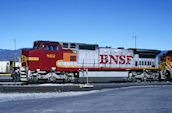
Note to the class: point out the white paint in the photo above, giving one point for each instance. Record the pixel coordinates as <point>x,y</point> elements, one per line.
<point>4,66</point>
<point>105,74</point>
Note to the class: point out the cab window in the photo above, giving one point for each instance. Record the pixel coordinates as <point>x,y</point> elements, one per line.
<point>52,47</point>
<point>37,46</point>
<point>44,47</point>
<point>49,48</point>
<point>65,45</point>
<point>55,47</point>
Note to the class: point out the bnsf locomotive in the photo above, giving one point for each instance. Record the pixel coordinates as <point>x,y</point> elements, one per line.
<point>74,62</point>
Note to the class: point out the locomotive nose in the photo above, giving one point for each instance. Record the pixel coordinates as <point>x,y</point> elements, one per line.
<point>25,56</point>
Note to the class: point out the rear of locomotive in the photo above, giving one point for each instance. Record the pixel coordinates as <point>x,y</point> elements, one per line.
<point>39,64</point>
<point>146,65</point>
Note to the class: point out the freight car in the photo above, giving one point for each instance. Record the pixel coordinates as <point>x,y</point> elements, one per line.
<point>74,62</point>
<point>5,66</point>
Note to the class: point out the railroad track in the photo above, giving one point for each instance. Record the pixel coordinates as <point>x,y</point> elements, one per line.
<point>19,87</point>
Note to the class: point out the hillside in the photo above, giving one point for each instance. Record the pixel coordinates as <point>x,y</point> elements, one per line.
<point>6,54</point>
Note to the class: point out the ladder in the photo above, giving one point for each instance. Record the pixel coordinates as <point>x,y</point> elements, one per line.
<point>23,74</point>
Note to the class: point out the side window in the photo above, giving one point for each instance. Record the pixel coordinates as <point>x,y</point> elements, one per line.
<point>36,46</point>
<point>65,45</point>
<point>49,48</point>
<point>72,58</point>
<point>153,64</point>
<point>55,47</point>
<point>72,46</point>
<point>136,64</point>
<point>44,47</point>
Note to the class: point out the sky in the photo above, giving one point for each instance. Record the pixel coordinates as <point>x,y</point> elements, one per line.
<point>105,22</point>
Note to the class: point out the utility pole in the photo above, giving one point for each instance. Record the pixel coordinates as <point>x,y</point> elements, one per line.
<point>135,37</point>
<point>14,53</point>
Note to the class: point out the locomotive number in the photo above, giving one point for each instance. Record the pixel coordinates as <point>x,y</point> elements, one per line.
<point>51,55</point>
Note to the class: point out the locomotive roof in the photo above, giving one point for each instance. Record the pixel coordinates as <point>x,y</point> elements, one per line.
<point>146,53</point>
<point>136,51</point>
<point>47,42</point>
<point>79,43</point>
<point>41,41</point>
<point>145,50</point>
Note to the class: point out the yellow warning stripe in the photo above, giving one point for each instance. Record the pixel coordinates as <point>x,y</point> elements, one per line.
<point>33,58</point>
<point>5,74</point>
<point>24,58</point>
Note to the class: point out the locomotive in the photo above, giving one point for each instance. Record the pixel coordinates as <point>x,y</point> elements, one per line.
<point>75,62</point>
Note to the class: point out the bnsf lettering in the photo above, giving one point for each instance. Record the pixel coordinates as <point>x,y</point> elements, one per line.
<point>122,59</point>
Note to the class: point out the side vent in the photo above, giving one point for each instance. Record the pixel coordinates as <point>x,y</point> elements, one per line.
<point>72,58</point>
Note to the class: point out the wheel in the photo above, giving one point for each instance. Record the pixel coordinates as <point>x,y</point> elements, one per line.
<point>52,79</point>
<point>131,77</point>
<point>155,77</point>
<point>144,78</point>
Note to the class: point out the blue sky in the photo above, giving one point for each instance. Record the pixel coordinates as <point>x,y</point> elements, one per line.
<point>104,22</point>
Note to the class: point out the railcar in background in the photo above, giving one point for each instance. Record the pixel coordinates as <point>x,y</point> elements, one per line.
<point>5,66</point>
<point>74,62</point>
<point>166,65</point>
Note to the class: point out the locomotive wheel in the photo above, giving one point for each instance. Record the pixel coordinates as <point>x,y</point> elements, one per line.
<point>131,77</point>
<point>155,77</point>
<point>52,79</point>
<point>144,78</point>
<point>34,79</point>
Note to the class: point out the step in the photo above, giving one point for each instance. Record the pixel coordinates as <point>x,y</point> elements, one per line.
<point>23,76</point>
<point>23,79</point>
<point>22,73</point>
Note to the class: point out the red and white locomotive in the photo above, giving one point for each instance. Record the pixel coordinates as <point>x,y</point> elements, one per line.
<point>69,62</point>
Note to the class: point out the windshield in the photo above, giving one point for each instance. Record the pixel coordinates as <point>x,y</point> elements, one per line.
<point>36,46</point>
<point>50,47</point>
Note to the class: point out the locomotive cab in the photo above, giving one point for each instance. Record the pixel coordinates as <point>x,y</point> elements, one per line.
<point>42,58</point>
<point>46,46</point>
<point>36,46</point>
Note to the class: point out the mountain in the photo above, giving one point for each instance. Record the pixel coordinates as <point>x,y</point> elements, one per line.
<point>8,55</point>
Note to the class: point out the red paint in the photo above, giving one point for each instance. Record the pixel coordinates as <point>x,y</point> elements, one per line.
<point>122,59</point>
<point>44,63</point>
<point>104,59</point>
<point>113,59</point>
<point>129,58</point>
